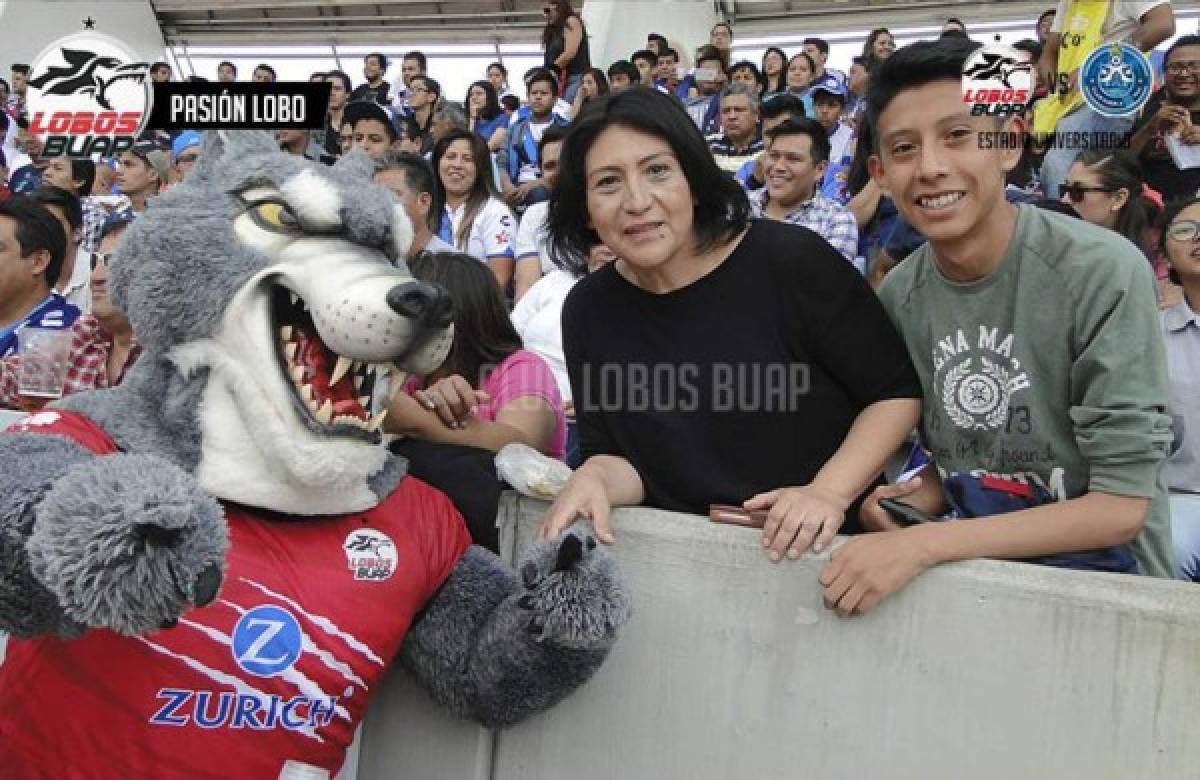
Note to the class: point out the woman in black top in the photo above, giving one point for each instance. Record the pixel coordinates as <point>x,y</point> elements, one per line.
<point>565,42</point>
<point>717,360</point>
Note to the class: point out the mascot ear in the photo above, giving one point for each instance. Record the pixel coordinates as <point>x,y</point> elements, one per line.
<point>219,143</point>
<point>357,164</point>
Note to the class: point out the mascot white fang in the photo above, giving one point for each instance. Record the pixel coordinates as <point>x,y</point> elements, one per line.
<point>207,569</point>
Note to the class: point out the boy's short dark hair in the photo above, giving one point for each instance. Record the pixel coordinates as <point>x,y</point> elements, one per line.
<point>804,126</point>
<point>49,195</point>
<point>20,67</point>
<point>419,58</point>
<point>645,55</point>
<point>1047,12</point>
<point>821,44</point>
<point>159,66</point>
<point>668,52</point>
<point>626,68</point>
<point>544,76</point>
<point>232,67</point>
<point>912,66</point>
<point>430,84</point>
<point>1181,41</point>
<point>662,41</point>
<point>380,57</point>
<point>707,53</point>
<point>782,103</point>
<point>37,229</point>
<point>268,69</point>
<point>418,177</point>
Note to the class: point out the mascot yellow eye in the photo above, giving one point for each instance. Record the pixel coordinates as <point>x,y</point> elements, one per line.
<point>273,215</point>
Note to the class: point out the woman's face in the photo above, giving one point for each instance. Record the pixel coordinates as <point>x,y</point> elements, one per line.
<point>550,11</point>
<point>1183,243</point>
<point>773,64</point>
<point>1099,208</point>
<point>457,168</point>
<point>638,198</point>
<point>884,45</point>
<point>799,75</point>
<point>477,98</point>
<point>588,83</point>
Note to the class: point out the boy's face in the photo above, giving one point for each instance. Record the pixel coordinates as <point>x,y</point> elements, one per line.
<point>618,82</point>
<point>646,68</point>
<point>18,82</point>
<point>828,109</point>
<point>944,182</point>
<point>666,68</point>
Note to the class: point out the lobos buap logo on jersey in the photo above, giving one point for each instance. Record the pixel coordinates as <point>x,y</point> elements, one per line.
<point>997,81</point>
<point>370,555</point>
<point>88,95</point>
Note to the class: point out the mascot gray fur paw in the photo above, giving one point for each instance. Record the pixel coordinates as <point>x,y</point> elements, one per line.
<point>241,452</point>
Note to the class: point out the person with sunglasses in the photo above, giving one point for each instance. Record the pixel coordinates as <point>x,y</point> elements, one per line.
<point>1106,188</point>
<point>1179,240</point>
<point>1173,112</point>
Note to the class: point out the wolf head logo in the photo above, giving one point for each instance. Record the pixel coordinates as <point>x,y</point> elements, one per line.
<point>87,73</point>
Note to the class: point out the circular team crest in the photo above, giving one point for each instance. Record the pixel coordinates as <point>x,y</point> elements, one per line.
<point>1116,80</point>
<point>88,94</point>
<point>976,400</point>
<point>371,555</point>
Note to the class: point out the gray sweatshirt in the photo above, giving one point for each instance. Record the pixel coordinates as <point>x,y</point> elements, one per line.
<point>1050,371</point>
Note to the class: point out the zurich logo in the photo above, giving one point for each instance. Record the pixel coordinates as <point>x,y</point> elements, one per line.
<point>1116,80</point>
<point>267,641</point>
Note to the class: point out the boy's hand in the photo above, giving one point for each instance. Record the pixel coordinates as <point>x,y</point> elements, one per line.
<point>871,567</point>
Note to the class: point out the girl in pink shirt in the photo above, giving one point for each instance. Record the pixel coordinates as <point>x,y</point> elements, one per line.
<point>489,391</point>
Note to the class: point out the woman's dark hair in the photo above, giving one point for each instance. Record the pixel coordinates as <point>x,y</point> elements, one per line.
<point>721,208</point>
<point>481,189</point>
<point>484,335</point>
<point>913,66</point>
<point>37,229</point>
<point>343,77</point>
<point>601,82</point>
<point>858,176</point>
<point>868,53</point>
<point>555,28</point>
<point>759,77</point>
<point>1172,210</point>
<point>780,80</point>
<point>1119,170</point>
<point>83,170</point>
<point>491,102</point>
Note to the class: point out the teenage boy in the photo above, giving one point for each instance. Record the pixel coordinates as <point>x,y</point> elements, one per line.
<point>1036,339</point>
<point>376,89</point>
<point>646,62</point>
<point>375,128</point>
<point>522,174</point>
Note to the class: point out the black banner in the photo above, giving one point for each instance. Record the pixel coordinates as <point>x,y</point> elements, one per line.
<point>212,105</point>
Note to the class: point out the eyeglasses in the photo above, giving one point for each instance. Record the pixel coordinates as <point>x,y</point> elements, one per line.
<point>1184,230</point>
<point>1076,191</point>
<point>1177,68</point>
<point>100,258</point>
<point>187,159</point>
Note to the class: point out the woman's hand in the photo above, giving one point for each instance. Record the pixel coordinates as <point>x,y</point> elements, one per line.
<point>798,517</point>
<point>405,415</point>
<point>585,495</point>
<point>453,399</point>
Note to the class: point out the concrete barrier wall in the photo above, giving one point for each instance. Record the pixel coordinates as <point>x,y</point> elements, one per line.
<point>733,668</point>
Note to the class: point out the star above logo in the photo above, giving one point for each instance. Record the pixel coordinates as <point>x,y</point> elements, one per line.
<point>89,23</point>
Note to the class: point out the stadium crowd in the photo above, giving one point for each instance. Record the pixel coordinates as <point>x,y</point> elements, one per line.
<point>642,254</point>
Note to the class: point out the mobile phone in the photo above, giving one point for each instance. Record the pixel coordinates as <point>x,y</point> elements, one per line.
<point>736,515</point>
<point>904,514</point>
<point>705,74</point>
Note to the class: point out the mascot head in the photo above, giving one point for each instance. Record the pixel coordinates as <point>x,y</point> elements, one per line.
<point>272,299</point>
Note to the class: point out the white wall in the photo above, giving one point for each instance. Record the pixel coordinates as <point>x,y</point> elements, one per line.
<point>29,26</point>
<point>618,28</point>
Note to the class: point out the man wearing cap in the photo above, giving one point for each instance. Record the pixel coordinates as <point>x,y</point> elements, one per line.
<point>144,169</point>
<point>185,150</point>
<point>829,100</point>
<point>376,127</point>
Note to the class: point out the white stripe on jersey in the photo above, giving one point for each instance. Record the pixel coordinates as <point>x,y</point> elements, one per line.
<point>324,623</point>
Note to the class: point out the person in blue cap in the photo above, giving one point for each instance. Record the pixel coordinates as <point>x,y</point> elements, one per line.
<point>185,149</point>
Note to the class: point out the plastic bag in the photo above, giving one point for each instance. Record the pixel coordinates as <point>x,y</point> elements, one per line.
<point>530,472</point>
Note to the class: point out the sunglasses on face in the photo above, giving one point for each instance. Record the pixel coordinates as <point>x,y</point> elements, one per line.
<point>1184,230</point>
<point>100,258</point>
<point>1076,192</point>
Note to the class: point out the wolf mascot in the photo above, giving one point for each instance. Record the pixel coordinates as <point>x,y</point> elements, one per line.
<point>207,569</point>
